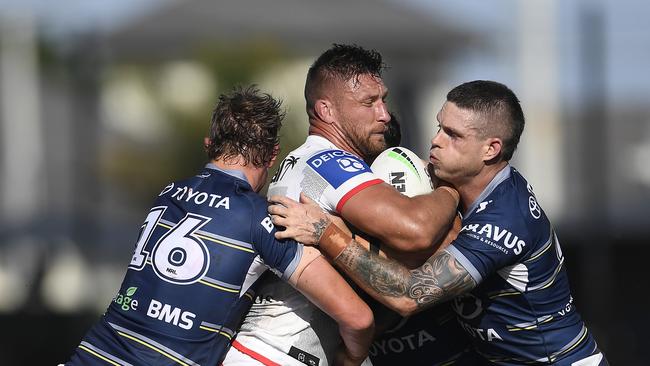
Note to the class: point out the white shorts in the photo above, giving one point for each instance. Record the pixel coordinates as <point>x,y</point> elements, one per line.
<point>253,352</point>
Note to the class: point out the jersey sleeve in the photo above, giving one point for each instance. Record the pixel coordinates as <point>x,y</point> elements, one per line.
<point>282,257</point>
<point>487,243</point>
<point>336,176</point>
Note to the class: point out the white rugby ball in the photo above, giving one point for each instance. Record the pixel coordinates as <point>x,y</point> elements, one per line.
<point>401,168</point>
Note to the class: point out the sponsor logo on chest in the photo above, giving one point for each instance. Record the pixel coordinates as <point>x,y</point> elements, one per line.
<point>337,166</point>
<point>500,238</point>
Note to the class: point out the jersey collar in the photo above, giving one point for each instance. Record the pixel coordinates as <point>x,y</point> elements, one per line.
<point>321,141</point>
<point>502,175</point>
<point>232,172</point>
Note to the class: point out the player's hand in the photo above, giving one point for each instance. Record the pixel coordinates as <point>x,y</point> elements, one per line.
<point>304,221</point>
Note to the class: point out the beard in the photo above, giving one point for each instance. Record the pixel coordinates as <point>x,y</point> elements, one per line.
<point>369,145</point>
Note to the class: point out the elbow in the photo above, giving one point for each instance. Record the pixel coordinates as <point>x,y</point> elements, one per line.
<point>363,322</point>
<point>360,321</point>
<point>405,308</point>
<point>418,237</point>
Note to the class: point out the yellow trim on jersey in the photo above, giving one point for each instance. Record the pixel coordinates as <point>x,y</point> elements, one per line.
<point>225,243</point>
<point>549,246</point>
<point>248,295</point>
<point>164,225</point>
<point>153,348</point>
<point>218,287</point>
<point>98,355</point>
<point>505,294</point>
<point>572,347</point>
<point>532,326</point>
<point>215,331</point>
<point>215,240</point>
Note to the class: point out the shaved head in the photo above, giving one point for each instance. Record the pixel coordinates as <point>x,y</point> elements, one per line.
<point>336,66</point>
<point>496,109</point>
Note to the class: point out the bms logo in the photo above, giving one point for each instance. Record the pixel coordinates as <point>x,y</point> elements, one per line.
<point>350,165</point>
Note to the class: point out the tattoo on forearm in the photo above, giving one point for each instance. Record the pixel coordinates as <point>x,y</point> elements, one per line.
<point>319,228</point>
<point>440,278</point>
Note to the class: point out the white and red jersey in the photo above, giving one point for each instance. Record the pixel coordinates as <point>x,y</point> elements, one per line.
<point>282,322</point>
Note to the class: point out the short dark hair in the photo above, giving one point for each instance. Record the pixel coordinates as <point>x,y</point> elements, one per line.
<point>245,122</point>
<point>341,62</point>
<point>499,107</point>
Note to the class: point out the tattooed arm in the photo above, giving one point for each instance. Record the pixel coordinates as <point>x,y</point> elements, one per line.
<point>406,291</point>
<point>439,279</point>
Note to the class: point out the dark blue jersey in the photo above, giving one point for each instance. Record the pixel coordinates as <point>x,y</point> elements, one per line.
<point>429,338</point>
<point>522,311</point>
<point>200,250</point>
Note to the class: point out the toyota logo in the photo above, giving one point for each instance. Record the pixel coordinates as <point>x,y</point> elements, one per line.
<point>534,208</point>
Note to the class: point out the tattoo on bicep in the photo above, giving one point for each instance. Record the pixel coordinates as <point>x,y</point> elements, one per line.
<point>319,228</point>
<point>440,278</point>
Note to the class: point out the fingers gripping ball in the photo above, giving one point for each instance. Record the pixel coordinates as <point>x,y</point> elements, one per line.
<point>404,170</point>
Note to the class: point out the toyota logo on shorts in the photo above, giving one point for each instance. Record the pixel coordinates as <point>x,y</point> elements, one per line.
<point>350,165</point>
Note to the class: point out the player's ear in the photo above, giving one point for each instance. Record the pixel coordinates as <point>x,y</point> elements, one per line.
<point>493,146</point>
<point>324,110</point>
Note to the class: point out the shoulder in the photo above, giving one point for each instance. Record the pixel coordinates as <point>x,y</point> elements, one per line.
<point>510,211</point>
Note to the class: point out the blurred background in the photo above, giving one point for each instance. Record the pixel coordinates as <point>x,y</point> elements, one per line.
<point>103,102</point>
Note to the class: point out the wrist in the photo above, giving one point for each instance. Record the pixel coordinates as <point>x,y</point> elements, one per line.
<point>333,241</point>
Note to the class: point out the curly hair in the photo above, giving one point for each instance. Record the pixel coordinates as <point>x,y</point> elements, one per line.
<point>342,62</point>
<point>499,107</point>
<point>245,122</point>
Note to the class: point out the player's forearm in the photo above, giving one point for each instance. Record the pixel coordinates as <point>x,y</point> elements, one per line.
<point>439,279</point>
<point>361,265</point>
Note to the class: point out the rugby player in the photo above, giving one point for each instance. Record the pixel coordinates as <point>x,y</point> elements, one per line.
<point>345,100</point>
<point>203,247</point>
<point>505,269</point>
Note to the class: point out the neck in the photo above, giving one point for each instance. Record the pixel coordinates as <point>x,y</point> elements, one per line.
<point>475,185</point>
<point>255,176</point>
<point>333,135</point>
